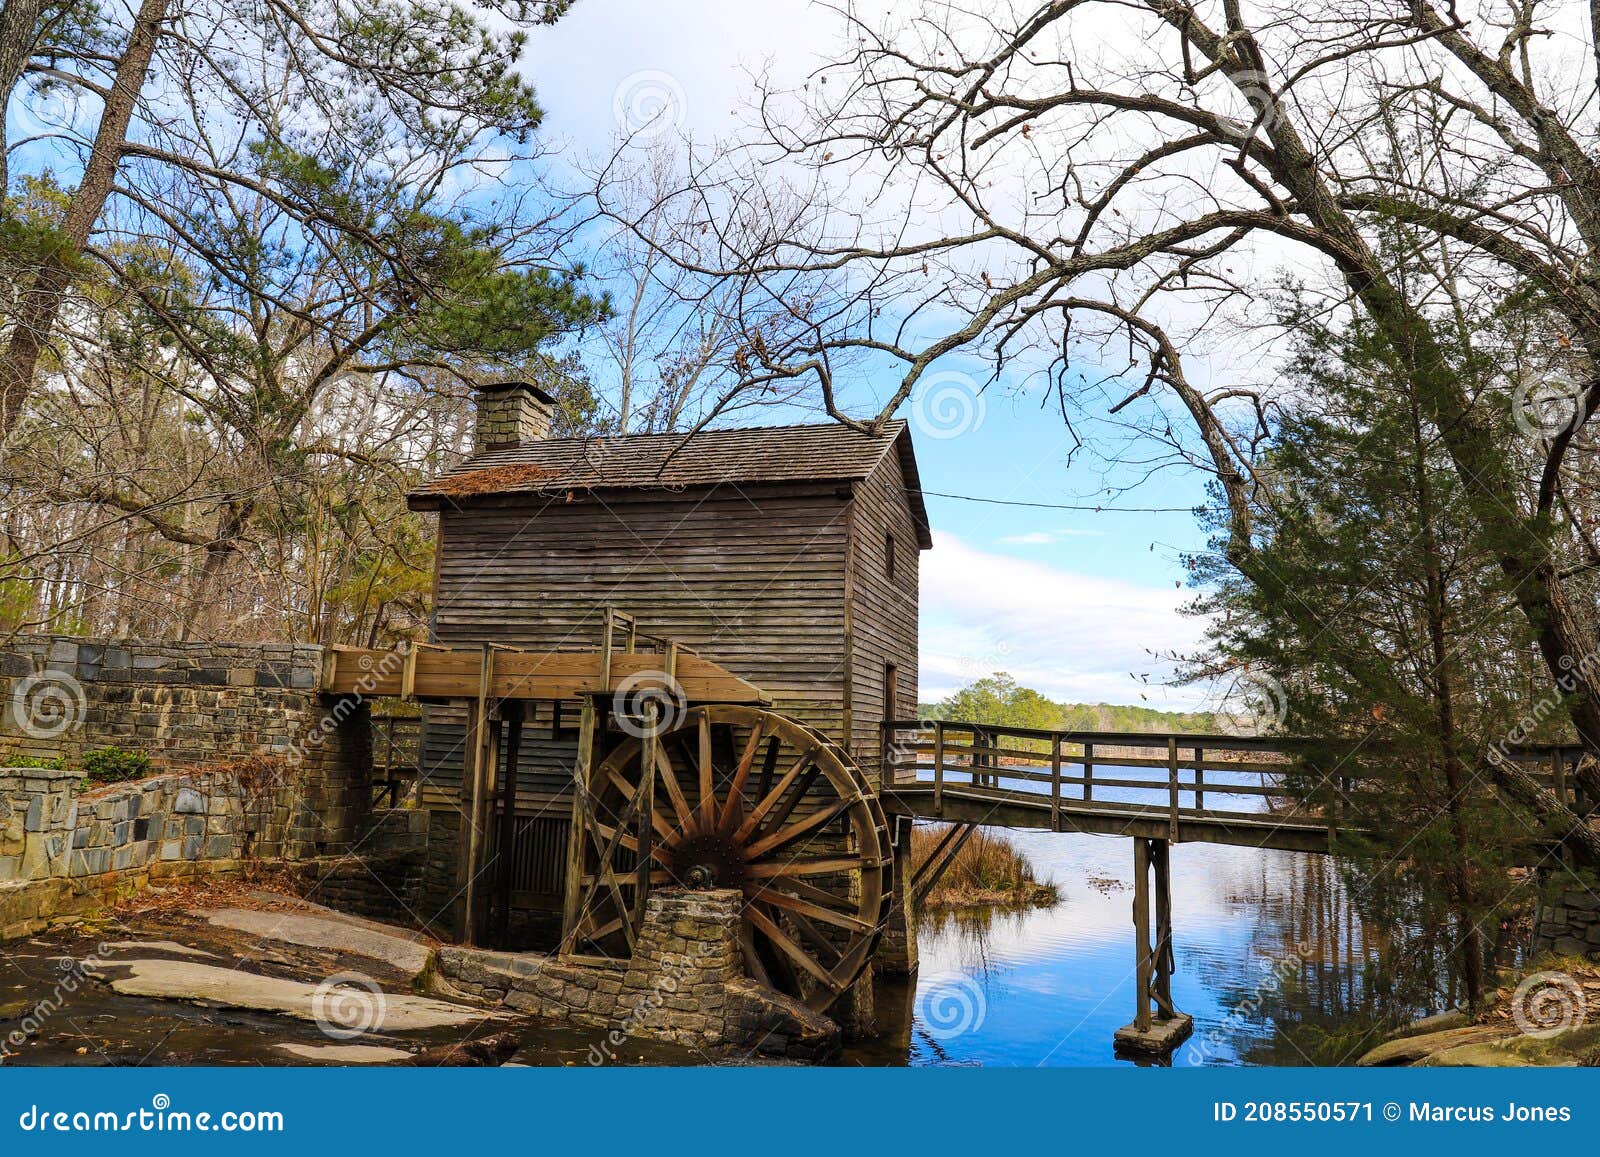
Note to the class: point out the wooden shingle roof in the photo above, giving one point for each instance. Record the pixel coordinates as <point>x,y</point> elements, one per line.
<point>673,462</point>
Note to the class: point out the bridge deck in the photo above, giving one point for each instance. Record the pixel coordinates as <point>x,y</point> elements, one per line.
<point>967,803</point>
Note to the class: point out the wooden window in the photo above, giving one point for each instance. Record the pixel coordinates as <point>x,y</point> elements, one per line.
<point>891,690</point>
<point>888,553</point>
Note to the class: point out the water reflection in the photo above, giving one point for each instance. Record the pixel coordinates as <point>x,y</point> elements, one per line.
<point>1275,963</point>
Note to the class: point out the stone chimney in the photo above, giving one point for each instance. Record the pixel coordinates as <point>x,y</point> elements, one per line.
<point>509,414</point>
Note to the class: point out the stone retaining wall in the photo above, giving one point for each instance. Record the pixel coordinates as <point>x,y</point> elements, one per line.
<point>1568,922</point>
<point>187,704</point>
<point>63,853</point>
<point>384,880</point>
<point>206,714</point>
<point>684,984</point>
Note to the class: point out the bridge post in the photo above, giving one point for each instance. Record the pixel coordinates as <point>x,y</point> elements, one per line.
<point>897,950</point>
<point>1158,1027</point>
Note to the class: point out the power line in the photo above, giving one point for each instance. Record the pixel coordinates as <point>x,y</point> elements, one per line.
<point>1064,505</point>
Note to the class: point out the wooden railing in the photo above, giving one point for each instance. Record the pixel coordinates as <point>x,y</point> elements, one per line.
<point>1085,770</point>
<point>396,758</point>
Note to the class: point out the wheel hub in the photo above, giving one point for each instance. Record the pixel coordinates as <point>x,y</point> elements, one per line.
<point>706,862</point>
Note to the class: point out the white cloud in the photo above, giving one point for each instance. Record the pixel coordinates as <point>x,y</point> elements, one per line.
<point>1046,537</point>
<point>1071,636</point>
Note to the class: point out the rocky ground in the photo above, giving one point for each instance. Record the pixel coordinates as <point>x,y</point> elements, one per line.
<point>237,973</point>
<point>1549,1014</point>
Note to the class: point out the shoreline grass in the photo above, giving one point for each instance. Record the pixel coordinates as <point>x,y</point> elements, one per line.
<point>989,871</point>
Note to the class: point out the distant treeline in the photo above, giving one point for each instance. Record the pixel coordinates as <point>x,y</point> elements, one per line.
<point>998,699</point>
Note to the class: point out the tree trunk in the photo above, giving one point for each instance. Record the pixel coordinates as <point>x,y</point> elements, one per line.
<point>41,301</point>
<point>19,22</point>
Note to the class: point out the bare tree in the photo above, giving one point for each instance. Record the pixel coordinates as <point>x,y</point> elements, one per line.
<point>1037,185</point>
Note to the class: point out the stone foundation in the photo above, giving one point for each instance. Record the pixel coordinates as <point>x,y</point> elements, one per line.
<point>1568,922</point>
<point>684,984</point>
<point>385,880</point>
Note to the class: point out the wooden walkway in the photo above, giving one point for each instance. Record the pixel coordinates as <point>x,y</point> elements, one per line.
<point>1221,789</point>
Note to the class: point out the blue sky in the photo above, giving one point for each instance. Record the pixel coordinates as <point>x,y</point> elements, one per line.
<point>1071,602</point>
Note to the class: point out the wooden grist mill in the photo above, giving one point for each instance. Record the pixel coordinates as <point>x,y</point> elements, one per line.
<point>684,778</point>
<point>665,662</point>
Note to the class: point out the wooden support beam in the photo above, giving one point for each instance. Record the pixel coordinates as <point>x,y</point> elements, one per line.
<point>1141,933</point>
<point>1165,961</point>
<point>938,768</point>
<point>1055,784</point>
<point>581,770</point>
<point>505,843</point>
<point>474,790</point>
<point>1088,772</point>
<point>937,864</point>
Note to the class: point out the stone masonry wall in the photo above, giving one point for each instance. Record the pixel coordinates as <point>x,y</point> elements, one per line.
<point>385,881</point>
<point>62,853</point>
<point>188,704</point>
<point>684,984</point>
<point>1568,922</point>
<point>200,711</point>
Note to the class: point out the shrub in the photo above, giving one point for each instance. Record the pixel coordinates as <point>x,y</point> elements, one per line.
<point>115,765</point>
<point>54,762</point>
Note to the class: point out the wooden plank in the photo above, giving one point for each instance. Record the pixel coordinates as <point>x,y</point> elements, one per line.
<point>1160,860</point>
<point>572,889</point>
<point>1055,785</point>
<point>1172,783</point>
<point>474,790</point>
<point>512,713</point>
<point>938,769</point>
<point>451,674</point>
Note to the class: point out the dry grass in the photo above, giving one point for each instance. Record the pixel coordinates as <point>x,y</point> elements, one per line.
<point>989,870</point>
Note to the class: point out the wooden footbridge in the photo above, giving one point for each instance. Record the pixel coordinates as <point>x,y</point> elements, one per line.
<point>1158,789</point>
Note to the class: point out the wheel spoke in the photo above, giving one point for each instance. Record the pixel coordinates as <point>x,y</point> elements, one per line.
<point>794,831</point>
<point>819,897</point>
<point>770,800</point>
<point>782,869</point>
<point>741,773</point>
<point>793,798</point>
<point>663,825</point>
<point>805,908</point>
<point>669,779</point>
<point>780,939</point>
<point>708,798</point>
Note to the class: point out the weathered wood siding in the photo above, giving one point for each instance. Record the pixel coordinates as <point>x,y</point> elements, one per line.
<point>883,607</point>
<point>752,577</point>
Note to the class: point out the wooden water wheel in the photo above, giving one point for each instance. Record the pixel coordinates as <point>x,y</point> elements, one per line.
<point>742,798</point>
